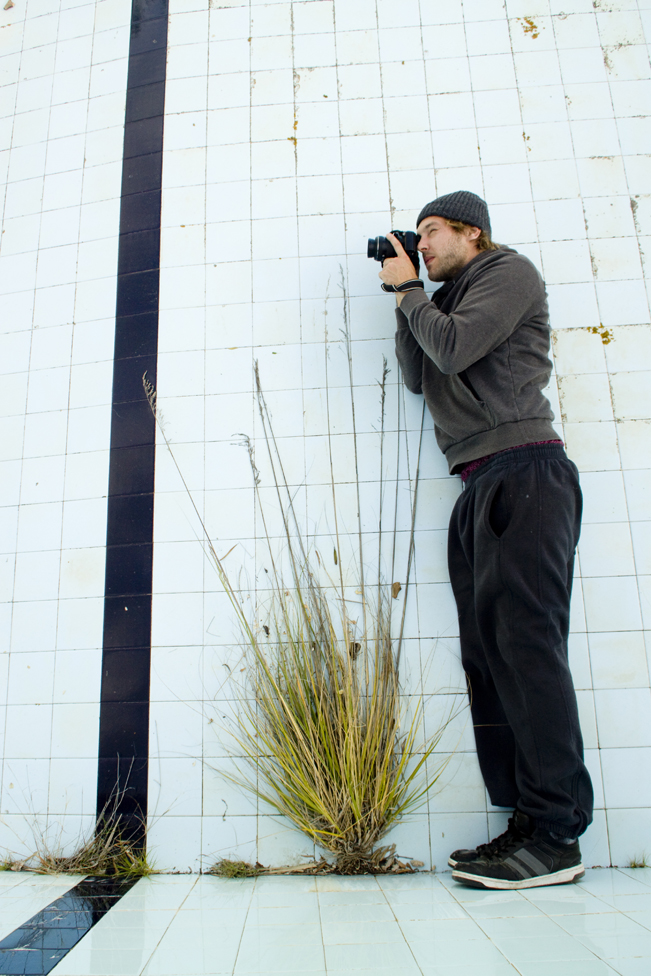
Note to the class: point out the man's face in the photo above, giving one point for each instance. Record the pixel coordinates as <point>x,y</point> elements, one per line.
<point>445,250</point>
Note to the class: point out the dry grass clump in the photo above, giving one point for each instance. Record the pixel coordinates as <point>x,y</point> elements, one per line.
<point>322,724</point>
<point>99,856</point>
<point>322,720</point>
<point>639,861</point>
<point>107,852</point>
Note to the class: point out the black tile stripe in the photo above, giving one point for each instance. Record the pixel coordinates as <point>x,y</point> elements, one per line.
<point>124,707</point>
<point>39,944</point>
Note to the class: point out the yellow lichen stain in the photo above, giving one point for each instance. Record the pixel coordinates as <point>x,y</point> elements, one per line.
<point>529,27</point>
<point>527,139</point>
<point>606,335</point>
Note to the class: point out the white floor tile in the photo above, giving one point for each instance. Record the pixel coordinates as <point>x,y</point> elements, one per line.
<point>519,951</point>
<point>266,937</point>
<point>333,914</point>
<point>370,957</point>
<point>588,967</point>
<point>361,932</point>
<point>253,958</point>
<point>83,961</point>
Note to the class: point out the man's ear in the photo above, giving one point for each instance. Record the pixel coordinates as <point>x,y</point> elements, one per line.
<point>472,233</point>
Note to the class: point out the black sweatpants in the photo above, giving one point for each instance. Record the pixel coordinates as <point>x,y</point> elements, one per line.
<point>513,533</point>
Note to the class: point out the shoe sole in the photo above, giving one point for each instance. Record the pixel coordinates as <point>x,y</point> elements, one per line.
<point>567,876</point>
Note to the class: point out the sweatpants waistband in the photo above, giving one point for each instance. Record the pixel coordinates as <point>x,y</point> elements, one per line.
<point>532,452</point>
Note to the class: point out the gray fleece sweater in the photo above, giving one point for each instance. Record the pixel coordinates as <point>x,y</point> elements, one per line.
<point>478,351</point>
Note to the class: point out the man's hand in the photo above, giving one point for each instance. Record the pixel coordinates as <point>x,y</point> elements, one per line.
<point>399,269</point>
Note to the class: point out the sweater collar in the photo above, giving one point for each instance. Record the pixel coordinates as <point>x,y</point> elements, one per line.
<point>446,288</point>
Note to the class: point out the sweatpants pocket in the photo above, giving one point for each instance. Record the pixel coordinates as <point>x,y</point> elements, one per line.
<point>497,511</point>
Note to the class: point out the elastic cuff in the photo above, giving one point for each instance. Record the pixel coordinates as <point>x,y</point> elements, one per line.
<point>413,298</point>
<point>560,829</point>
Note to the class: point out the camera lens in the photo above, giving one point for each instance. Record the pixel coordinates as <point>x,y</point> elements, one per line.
<point>371,251</point>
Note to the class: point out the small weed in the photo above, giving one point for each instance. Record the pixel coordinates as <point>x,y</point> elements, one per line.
<point>640,861</point>
<point>134,864</point>
<point>235,869</point>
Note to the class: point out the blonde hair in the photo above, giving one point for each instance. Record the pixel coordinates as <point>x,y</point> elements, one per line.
<point>483,242</point>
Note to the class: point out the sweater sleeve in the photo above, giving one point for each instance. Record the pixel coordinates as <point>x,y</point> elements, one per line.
<point>409,354</point>
<point>500,298</point>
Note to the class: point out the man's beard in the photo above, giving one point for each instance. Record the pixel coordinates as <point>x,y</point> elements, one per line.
<point>449,263</point>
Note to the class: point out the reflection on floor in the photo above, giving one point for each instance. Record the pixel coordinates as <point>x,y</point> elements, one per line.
<point>39,943</point>
<point>184,925</point>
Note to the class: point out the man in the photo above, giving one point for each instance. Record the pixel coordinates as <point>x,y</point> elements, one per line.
<point>478,351</point>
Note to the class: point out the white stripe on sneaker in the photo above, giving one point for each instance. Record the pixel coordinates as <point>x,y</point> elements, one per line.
<point>559,877</point>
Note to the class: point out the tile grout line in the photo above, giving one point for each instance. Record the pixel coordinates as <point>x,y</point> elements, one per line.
<point>397,920</point>
<point>167,927</point>
<point>246,918</point>
<point>318,906</point>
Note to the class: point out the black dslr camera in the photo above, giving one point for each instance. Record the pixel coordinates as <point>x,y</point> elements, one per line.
<point>381,248</point>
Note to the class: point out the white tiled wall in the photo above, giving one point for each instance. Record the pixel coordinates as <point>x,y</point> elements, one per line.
<point>63,72</point>
<point>294,131</point>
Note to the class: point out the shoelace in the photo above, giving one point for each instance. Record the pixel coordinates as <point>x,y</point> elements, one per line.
<point>500,843</point>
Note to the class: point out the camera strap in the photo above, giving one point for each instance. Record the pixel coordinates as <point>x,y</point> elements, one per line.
<point>405,286</point>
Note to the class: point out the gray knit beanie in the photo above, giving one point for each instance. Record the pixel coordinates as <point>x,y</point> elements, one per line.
<point>462,205</point>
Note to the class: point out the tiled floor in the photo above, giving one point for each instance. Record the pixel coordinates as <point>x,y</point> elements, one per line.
<point>184,925</point>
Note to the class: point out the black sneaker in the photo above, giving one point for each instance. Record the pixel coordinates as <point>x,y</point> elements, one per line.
<point>518,820</point>
<point>529,859</point>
